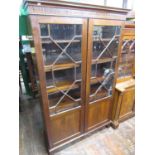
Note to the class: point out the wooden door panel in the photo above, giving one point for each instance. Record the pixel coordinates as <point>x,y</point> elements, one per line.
<point>65,125</point>
<point>98,113</point>
<point>127,102</point>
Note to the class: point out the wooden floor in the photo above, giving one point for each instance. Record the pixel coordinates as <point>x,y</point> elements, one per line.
<point>108,141</point>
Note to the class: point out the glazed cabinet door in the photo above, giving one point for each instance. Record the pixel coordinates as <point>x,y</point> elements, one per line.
<point>61,53</point>
<point>126,67</point>
<point>103,42</point>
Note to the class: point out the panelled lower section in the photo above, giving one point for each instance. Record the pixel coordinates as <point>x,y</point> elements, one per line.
<point>65,125</point>
<point>98,113</point>
<point>124,102</point>
<point>127,102</point>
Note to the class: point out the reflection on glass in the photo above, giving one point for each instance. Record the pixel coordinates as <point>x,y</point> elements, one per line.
<point>104,54</point>
<point>101,80</point>
<point>44,29</point>
<point>61,49</point>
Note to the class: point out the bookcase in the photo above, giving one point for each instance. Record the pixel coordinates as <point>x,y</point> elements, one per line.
<point>124,96</point>
<point>76,50</point>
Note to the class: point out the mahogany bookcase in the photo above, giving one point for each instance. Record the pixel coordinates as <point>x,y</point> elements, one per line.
<point>76,49</point>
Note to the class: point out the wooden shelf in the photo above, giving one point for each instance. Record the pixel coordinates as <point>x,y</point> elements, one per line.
<point>129,64</point>
<point>96,80</point>
<point>48,68</point>
<point>102,39</point>
<point>61,86</point>
<point>63,106</point>
<point>102,60</point>
<point>99,95</point>
<point>130,60</point>
<point>46,40</point>
<point>125,52</point>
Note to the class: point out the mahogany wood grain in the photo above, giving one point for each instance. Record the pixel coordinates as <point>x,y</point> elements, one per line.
<point>127,102</point>
<point>61,86</point>
<point>74,4</point>
<point>123,107</point>
<point>98,113</point>
<point>88,73</point>
<point>84,71</point>
<point>40,68</point>
<point>59,8</point>
<point>106,22</point>
<point>59,20</point>
<point>65,125</point>
<point>57,67</point>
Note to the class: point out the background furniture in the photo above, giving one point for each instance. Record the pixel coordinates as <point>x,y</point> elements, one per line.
<point>26,61</point>
<point>124,100</point>
<point>76,49</point>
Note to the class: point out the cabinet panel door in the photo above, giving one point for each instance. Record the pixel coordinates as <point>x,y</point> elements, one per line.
<point>103,42</point>
<point>127,104</point>
<point>65,126</point>
<point>61,54</point>
<point>98,113</point>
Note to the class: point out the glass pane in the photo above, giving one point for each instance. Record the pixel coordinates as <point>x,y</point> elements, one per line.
<point>104,54</point>
<point>44,30</point>
<point>102,80</point>
<point>49,80</point>
<point>127,59</point>
<point>61,49</point>
<point>50,52</point>
<point>105,41</point>
<point>59,101</point>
